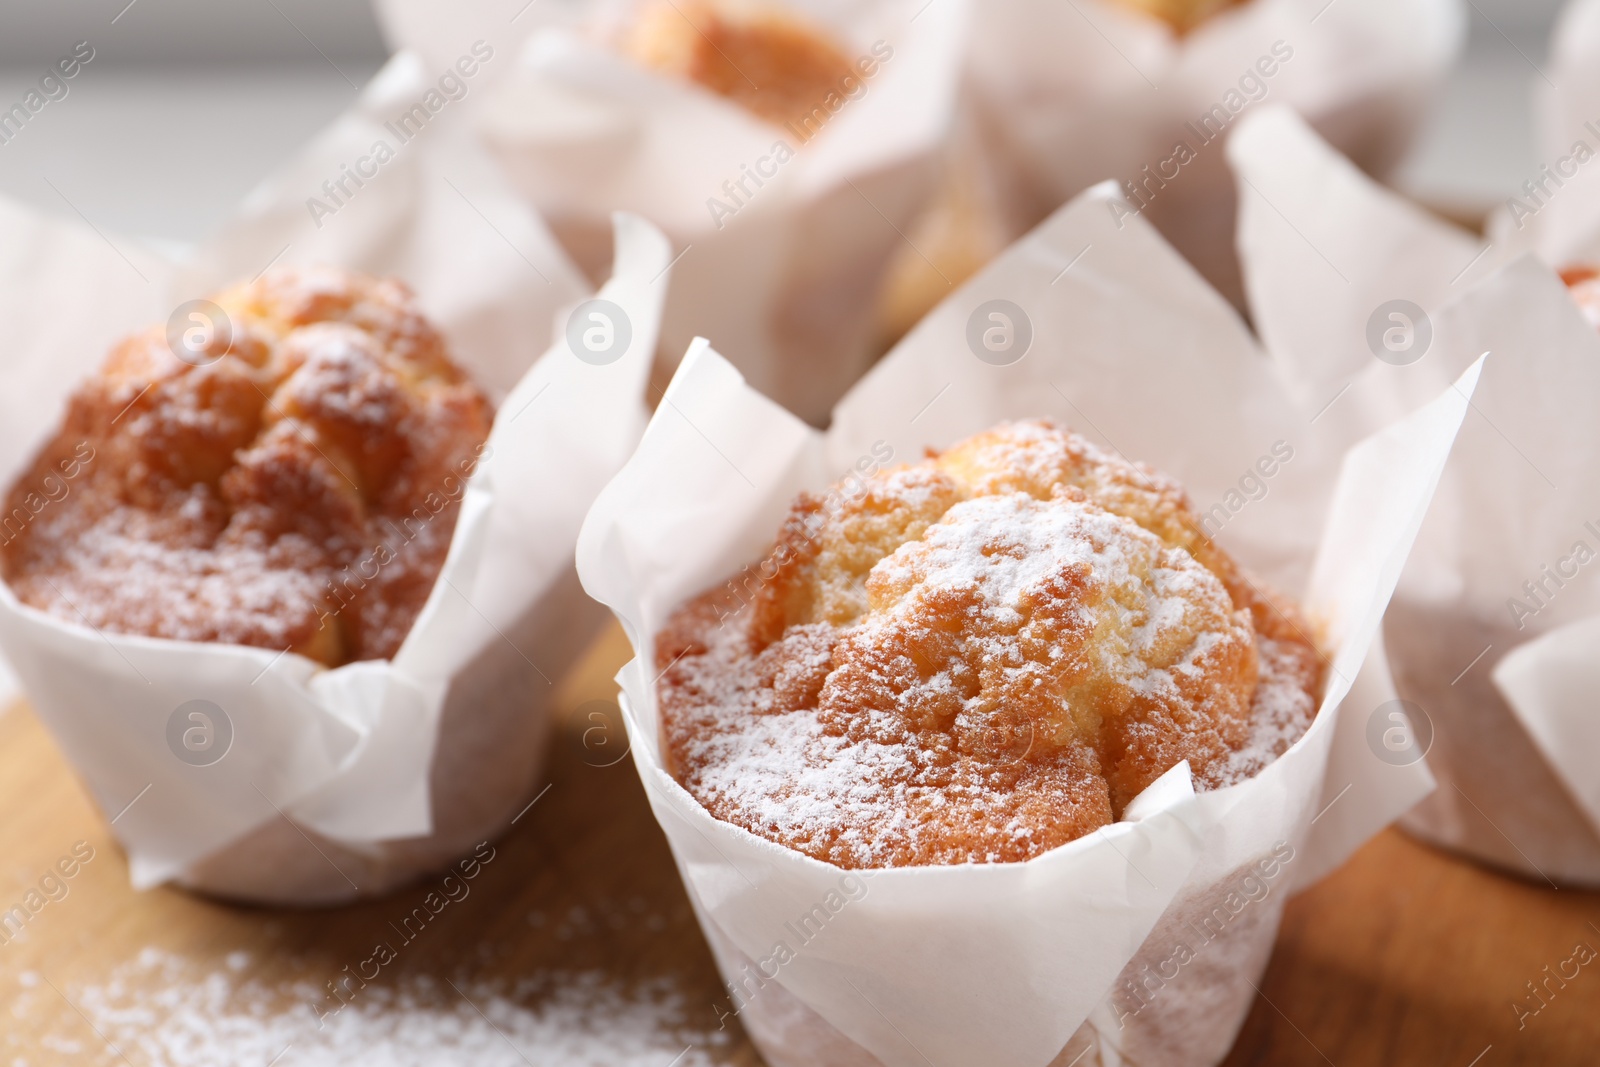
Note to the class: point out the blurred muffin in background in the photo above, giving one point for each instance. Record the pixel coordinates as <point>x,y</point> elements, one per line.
<point>1583,282</point>
<point>759,56</point>
<point>1183,15</point>
<point>959,233</point>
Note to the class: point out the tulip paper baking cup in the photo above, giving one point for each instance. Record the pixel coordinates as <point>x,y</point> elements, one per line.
<point>1071,94</point>
<point>264,776</point>
<point>785,233</point>
<point>1101,943</point>
<point>1370,305</point>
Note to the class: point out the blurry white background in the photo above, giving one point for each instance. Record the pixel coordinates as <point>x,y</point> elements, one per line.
<point>188,103</point>
<point>1480,145</point>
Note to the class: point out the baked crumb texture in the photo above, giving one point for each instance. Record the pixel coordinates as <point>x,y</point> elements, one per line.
<point>756,55</point>
<point>977,658</point>
<point>294,487</point>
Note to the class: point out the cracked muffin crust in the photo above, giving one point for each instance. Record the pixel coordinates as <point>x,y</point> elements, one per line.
<point>292,485</point>
<point>979,657</point>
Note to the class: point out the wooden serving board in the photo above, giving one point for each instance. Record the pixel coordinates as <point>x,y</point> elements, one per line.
<point>1404,957</point>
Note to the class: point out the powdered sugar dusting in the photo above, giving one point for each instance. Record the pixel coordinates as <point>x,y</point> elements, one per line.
<point>1025,545</point>
<point>296,488</point>
<point>1282,711</point>
<point>163,1011</point>
<point>978,658</point>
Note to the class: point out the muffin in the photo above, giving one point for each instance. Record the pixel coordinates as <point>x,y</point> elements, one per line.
<point>978,658</point>
<point>1583,282</point>
<point>289,477</point>
<point>959,233</point>
<point>1182,15</point>
<point>760,57</point>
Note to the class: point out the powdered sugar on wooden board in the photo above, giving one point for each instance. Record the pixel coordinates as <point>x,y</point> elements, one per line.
<point>162,1010</point>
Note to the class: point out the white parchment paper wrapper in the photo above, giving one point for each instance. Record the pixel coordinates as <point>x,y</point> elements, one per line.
<point>1073,93</point>
<point>346,782</point>
<point>788,281</point>
<point>1024,963</point>
<point>1509,690</point>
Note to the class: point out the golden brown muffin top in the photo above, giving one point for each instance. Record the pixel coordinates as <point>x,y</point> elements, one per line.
<point>759,57</point>
<point>291,483</point>
<point>977,658</point>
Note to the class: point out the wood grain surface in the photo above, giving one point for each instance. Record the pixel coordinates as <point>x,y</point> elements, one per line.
<point>1403,957</point>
